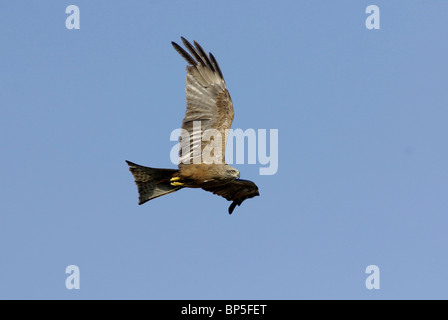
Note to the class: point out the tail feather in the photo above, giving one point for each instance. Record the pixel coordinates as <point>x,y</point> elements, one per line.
<point>151,182</point>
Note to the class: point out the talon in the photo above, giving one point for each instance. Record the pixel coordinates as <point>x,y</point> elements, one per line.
<point>175,182</point>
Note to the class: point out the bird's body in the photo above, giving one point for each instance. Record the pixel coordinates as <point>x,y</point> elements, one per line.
<point>204,175</point>
<point>201,164</point>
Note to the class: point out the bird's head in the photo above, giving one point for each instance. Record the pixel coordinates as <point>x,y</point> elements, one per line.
<point>233,173</point>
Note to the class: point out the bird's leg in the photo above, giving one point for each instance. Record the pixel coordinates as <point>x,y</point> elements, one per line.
<point>175,182</point>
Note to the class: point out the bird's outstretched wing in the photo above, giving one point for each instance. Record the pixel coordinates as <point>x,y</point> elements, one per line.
<point>208,105</point>
<point>236,191</point>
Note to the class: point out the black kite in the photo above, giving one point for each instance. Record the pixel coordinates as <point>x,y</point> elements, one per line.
<point>209,105</point>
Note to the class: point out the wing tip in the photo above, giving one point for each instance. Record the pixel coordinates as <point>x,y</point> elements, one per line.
<point>197,56</point>
<point>184,54</point>
<point>232,207</point>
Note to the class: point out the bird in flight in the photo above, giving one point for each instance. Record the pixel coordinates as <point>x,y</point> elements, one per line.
<point>209,108</point>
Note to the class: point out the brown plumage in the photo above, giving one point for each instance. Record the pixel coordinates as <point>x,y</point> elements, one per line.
<point>201,161</point>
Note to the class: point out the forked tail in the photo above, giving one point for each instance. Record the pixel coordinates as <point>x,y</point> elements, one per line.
<point>151,182</point>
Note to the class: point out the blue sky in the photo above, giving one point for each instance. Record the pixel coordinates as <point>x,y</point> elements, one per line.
<point>362,177</point>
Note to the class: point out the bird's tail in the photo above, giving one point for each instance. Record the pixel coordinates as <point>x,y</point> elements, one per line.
<point>151,182</point>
